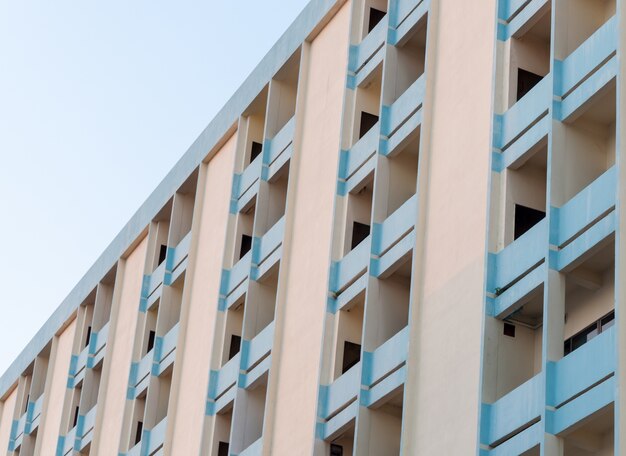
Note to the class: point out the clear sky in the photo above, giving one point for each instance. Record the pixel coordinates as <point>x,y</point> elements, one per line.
<point>98,100</point>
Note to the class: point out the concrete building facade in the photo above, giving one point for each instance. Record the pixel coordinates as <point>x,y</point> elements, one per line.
<point>400,236</point>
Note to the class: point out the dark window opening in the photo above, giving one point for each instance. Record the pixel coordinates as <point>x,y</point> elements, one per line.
<point>75,421</point>
<point>26,405</point>
<point>246,245</point>
<point>367,122</point>
<point>591,331</point>
<point>256,150</point>
<point>509,330</point>
<point>375,17</point>
<point>526,218</point>
<point>235,345</point>
<point>526,81</point>
<point>360,232</point>
<point>336,450</point>
<point>222,449</point>
<point>351,355</point>
<point>88,338</point>
<point>151,337</point>
<point>162,253</point>
<point>138,432</point>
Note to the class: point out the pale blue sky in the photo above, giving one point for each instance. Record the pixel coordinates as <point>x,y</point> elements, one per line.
<point>98,100</point>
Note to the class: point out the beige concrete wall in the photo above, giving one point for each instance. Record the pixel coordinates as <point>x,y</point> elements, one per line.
<point>444,360</point>
<point>191,370</point>
<point>56,388</point>
<point>114,383</point>
<point>290,422</point>
<point>6,419</point>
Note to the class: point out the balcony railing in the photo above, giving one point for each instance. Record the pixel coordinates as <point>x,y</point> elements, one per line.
<point>140,374</point>
<point>350,267</point>
<point>515,14</point>
<point>339,394</point>
<point>254,449</point>
<point>355,164</point>
<point>383,369</point>
<point>155,437</point>
<point>245,185</point>
<point>176,261</point>
<point>85,426</point>
<point>404,16</point>
<point>513,412</point>
<point>234,281</point>
<point>222,385</point>
<point>278,150</point>
<point>365,56</point>
<point>518,258</point>
<point>165,349</point>
<point>402,118</point>
<point>257,349</point>
<point>395,227</point>
<point>152,284</point>
<point>266,250</point>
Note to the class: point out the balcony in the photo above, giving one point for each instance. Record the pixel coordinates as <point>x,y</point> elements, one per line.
<point>585,222</point>
<point>366,56</point>
<point>34,415</point>
<point>524,124</point>
<point>401,119</point>
<point>267,250</point>
<point>140,375</point>
<point>517,260</point>
<point>255,356</point>
<point>581,383</point>
<point>151,287</point>
<point>355,164</point>
<point>246,185</point>
<point>84,428</point>
<point>345,271</point>
<point>165,350</point>
<point>338,403</point>
<point>514,15</point>
<point>513,413</point>
<point>278,150</point>
<point>404,17</point>
<point>176,261</point>
<point>394,239</point>
<point>384,369</point>
<point>18,428</point>
<point>78,367</point>
<point>222,385</point>
<point>67,443</point>
<point>97,346</point>
<point>586,71</point>
<point>154,439</point>
<point>235,282</point>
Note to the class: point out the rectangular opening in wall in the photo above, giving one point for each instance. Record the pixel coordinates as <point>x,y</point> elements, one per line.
<point>88,338</point>
<point>526,80</point>
<point>360,232</point>
<point>246,245</point>
<point>367,122</point>
<point>235,346</point>
<point>75,419</point>
<point>351,356</point>
<point>336,450</point>
<point>222,449</point>
<point>151,339</point>
<point>162,253</point>
<point>376,16</point>
<point>526,218</point>
<point>138,432</point>
<point>255,150</point>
